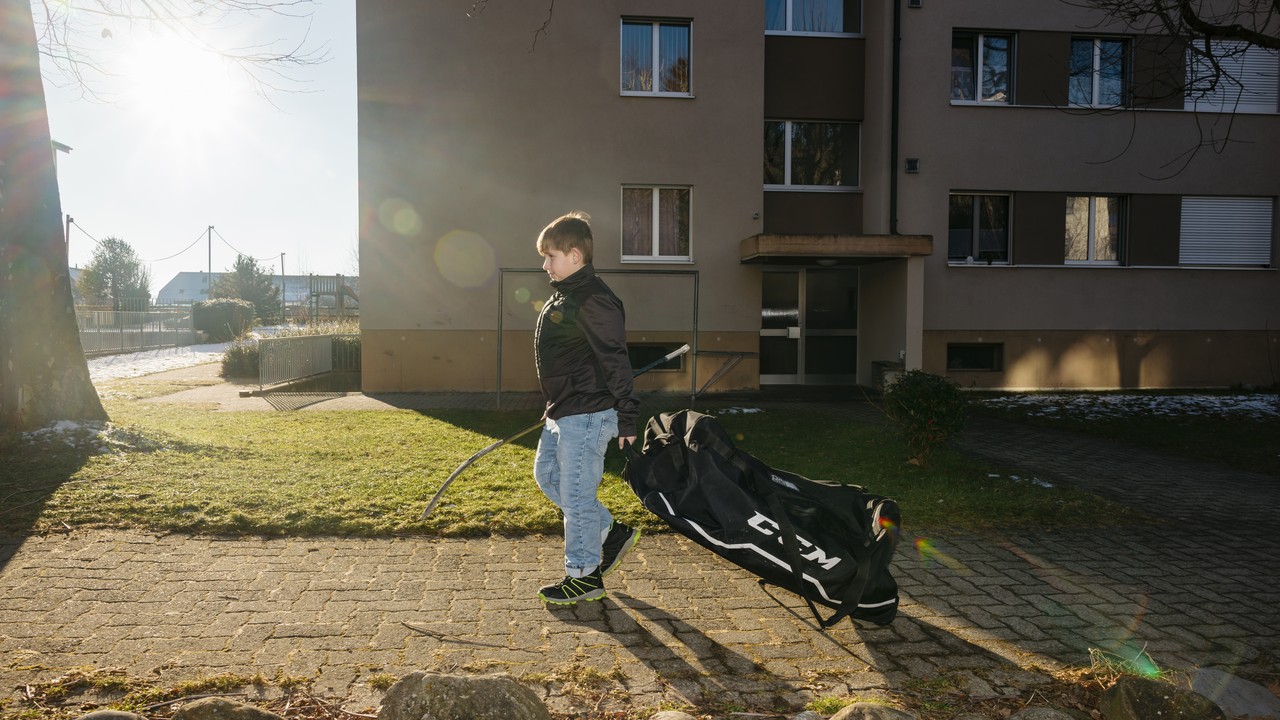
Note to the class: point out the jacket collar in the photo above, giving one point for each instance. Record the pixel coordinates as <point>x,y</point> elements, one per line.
<point>584,275</point>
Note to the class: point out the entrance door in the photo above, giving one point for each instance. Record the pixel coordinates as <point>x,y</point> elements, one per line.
<point>809,327</point>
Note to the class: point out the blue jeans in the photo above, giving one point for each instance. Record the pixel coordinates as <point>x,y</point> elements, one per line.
<point>569,466</point>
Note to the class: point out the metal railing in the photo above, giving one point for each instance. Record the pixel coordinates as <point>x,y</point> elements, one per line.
<point>120,331</point>
<point>298,357</point>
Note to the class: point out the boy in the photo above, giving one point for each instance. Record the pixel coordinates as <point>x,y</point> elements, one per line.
<point>580,346</point>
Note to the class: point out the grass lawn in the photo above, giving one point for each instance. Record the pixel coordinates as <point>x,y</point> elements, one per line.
<point>370,473</point>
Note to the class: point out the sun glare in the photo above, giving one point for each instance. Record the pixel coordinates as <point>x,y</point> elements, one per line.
<point>181,90</point>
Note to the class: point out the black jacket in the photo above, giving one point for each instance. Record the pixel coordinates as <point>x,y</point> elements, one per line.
<point>580,346</point>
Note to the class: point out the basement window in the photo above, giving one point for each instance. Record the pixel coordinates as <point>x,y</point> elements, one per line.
<point>967,357</point>
<point>642,354</point>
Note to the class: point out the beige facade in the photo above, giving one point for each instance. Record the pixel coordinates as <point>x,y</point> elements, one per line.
<point>477,130</point>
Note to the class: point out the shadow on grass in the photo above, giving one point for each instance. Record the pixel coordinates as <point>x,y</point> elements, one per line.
<point>31,473</point>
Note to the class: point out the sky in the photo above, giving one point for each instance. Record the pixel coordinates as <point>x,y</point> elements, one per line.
<point>178,140</point>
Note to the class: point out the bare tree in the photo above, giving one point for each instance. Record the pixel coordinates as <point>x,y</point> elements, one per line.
<point>1255,22</point>
<point>43,372</point>
<point>1214,37</point>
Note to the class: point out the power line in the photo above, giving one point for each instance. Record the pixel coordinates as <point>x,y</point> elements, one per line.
<point>193,244</point>
<point>238,252</point>
<point>72,221</point>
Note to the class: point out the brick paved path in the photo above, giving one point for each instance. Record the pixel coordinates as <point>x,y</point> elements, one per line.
<point>680,625</point>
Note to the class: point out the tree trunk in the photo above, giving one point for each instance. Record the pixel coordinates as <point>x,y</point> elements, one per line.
<point>43,373</point>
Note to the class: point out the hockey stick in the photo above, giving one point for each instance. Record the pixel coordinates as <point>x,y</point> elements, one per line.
<point>435,499</point>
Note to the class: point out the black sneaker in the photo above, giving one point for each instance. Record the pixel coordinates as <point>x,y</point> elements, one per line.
<point>571,589</point>
<point>617,544</point>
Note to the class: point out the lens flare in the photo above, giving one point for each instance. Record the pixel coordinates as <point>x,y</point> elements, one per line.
<point>400,217</point>
<point>1128,658</point>
<point>929,552</point>
<point>522,295</point>
<point>465,259</point>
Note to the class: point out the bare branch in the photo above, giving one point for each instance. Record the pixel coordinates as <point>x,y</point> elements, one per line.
<point>542,29</point>
<point>72,36</point>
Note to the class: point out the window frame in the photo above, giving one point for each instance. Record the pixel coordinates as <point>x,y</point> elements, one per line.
<point>787,157</point>
<point>655,238</point>
<point>975,227</point>
<point>979,64</point>
<point>788,22</point>
<point>1091,242</point>
<point>655,59</point>
<point>1126,72</point>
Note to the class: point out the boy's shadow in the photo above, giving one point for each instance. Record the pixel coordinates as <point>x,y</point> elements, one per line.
<point>702,671</point>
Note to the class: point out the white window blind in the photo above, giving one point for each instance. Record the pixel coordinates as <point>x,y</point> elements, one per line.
<point>1249,81</point>
<point>1226,231</point>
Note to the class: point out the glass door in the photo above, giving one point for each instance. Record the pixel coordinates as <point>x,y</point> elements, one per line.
<point>809,326</point>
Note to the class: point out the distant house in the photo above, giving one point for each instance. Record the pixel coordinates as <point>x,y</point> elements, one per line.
<point>189,287</point>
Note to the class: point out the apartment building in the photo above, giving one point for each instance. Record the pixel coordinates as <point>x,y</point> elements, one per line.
<point>811,191</point>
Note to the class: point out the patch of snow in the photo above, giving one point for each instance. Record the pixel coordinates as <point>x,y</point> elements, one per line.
<point>1118,405</point>
<point>740,411</point>
<point>93,437</point>
<point>127,365</point>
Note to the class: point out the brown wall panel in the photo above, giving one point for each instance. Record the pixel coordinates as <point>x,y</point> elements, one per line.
<point>1039,222</point>
<point>1041,69</point>
<point>808,78</point>
<point>1159,72</point>
<point>813,213</point>
<point>1154,225</point>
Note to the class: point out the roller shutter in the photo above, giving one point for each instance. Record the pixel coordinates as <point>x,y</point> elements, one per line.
<point>1248,82</point>
<point>1226,231</point>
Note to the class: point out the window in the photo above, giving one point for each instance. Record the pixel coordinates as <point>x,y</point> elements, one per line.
<point>979,229</point>
<point>1226,231</point>
<point>656,57</point>
<point>1095,229</point>
<point>1245,79</point>
<point>1099,72</point>
<point>843,17</point>
<point>980,67</point>
<point>811,154</point>
<point>975,356</point>
<point>655,223</point>
<point>642,354</point>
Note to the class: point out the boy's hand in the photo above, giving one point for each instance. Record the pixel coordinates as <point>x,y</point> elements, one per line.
<point>625,441</point>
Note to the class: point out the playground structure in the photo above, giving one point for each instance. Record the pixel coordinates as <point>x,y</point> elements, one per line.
<point>332,297</point>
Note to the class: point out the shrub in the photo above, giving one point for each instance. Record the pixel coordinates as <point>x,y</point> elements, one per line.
<point>241,359</point>
<point>346,353</point>
<point>926,410</point>
<point>223,319</point>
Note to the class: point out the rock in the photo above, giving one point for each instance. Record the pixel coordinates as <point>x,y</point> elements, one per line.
<point>1237,697</point>
<point>435,696</point>
<point>809,715</point>
<point>673,715</point>
<point>110,715</point>
<point>216,708</point>
<point>871,711</point>
<point>1134,698</point>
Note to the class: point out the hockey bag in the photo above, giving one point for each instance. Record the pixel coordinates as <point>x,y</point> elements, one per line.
<point>827,542</point>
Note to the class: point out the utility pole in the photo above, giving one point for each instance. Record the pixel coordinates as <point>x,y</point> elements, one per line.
<point>283,315</point>
<point>67,237</point>
<point>208,278</point>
